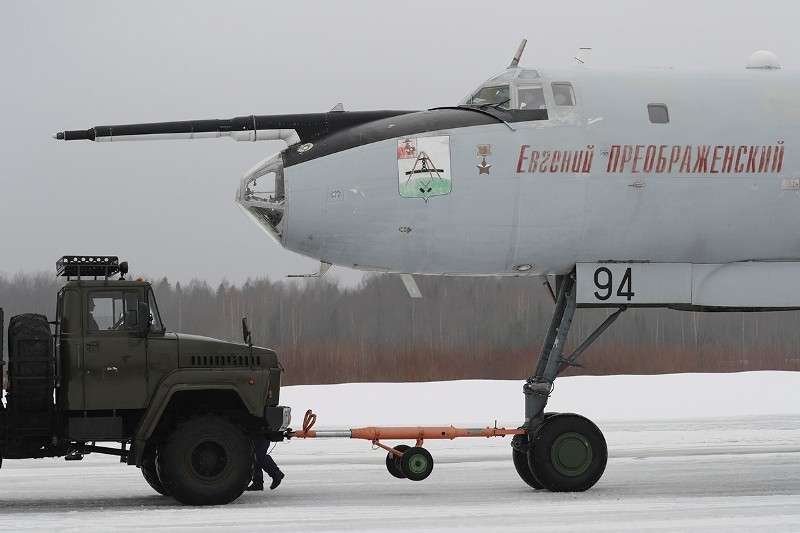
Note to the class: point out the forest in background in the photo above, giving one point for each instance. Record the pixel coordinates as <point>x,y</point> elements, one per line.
<point>463,328</point>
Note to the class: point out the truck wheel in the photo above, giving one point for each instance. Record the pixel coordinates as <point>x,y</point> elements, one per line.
<point>149,471</point>
<point>29,342</point>
<point>206,460</point>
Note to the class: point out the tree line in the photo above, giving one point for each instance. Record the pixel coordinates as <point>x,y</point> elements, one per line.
<point>463,328</point>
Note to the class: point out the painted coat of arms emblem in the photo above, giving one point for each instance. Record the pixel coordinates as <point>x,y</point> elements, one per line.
<point>423,167</point>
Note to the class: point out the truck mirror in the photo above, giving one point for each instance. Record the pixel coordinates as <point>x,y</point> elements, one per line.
<point>143,323</point>
<point>248,338</point>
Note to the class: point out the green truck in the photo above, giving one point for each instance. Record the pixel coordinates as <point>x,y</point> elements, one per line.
<point>183,408</point>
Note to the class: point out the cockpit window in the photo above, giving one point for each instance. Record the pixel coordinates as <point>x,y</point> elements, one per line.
<point>529,75</point>
<point>563,94</point>
<point>530,97</point>
<point>496,95</point>
<point>503,76</point>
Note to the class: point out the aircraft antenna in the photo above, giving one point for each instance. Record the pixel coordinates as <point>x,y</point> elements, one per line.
<point>582,56</point>
<point>515,61</point>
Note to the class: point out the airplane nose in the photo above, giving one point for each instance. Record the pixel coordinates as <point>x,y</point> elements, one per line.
<point>261,196</point>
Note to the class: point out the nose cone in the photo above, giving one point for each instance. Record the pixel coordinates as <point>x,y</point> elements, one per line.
<point>261,196</point>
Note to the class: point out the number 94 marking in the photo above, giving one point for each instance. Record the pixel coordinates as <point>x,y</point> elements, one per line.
<point>603,280</point>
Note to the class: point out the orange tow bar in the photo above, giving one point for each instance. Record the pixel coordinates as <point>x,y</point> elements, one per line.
<point>402,461</point>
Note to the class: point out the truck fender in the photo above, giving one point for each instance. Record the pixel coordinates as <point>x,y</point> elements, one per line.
<point>155,410</point>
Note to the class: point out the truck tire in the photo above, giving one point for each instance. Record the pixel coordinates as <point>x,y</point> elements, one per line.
<point>29,351</point>
<point>205,460</point>
<point>149,470</point>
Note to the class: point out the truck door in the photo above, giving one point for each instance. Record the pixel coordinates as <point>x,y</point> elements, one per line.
<point>114,357</point>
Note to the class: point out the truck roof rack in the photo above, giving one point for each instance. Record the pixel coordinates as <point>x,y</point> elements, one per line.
<point>90,265</point>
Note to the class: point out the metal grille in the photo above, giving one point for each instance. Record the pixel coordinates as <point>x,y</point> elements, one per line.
<point>225,360</point>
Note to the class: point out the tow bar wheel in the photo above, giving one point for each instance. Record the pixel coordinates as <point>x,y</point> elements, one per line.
<point>416,463</point>
<point>393,461</point>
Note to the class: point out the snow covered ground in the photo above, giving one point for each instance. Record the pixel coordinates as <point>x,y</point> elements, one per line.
<point>710,452</point>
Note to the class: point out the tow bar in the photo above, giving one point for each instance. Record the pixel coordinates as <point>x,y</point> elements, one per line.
<point>411,462</point>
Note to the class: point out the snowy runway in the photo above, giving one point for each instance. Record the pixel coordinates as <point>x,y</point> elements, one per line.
<point>703,473</point>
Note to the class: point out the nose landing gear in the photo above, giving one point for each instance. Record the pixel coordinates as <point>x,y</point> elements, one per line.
<point>560,452</point>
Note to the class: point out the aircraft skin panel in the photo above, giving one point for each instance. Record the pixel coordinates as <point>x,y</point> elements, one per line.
<point>701,209</point>
<point>371,225</point>
<point>740,286</point>
<point>696,220</point>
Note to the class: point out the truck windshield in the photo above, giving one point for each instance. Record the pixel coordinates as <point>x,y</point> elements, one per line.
<point>155,325</point>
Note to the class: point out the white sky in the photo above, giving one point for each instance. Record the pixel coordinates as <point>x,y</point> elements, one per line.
<point>167,207</point>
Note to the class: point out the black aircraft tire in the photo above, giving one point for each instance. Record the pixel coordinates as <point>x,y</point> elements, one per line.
<point>393,462</point>
<point>568,453</point>
<point>520,460</point>
<point>150,471</point>
<point>416,463</point>
<point>33,333</point>
<point>206,460</point>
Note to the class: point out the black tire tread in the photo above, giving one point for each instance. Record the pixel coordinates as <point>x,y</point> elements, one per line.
<point>33,330</point>
<point>172,456</point>
<point>520,460</point>
<point>150,471</point>
<point>542,441</point>
<point>393,462</point>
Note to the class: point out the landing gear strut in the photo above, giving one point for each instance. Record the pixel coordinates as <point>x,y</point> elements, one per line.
<point>564,452</point>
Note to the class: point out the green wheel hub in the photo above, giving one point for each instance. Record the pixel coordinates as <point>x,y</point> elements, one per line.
<point>418,463</point>
<point>571,454</point>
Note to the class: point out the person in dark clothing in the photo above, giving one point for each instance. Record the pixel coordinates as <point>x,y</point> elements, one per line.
<point>92,324</point>
<point>263,462</point>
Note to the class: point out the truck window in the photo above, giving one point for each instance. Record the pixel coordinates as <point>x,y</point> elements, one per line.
<point>112,310</point>
<point>155,325</point>
<point>69,311</point>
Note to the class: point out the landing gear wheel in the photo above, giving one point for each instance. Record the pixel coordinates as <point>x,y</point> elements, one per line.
<point>520,459</point>
<point>519,455</point>
<point>568,453</point>
<point>416,463</point>
<point>393,462</point>
<point>206,460</point>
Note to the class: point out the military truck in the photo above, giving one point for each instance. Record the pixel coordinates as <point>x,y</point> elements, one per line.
<point>183,408</point>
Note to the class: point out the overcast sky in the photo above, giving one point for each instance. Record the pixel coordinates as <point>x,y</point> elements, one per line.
<point>168,207</point>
